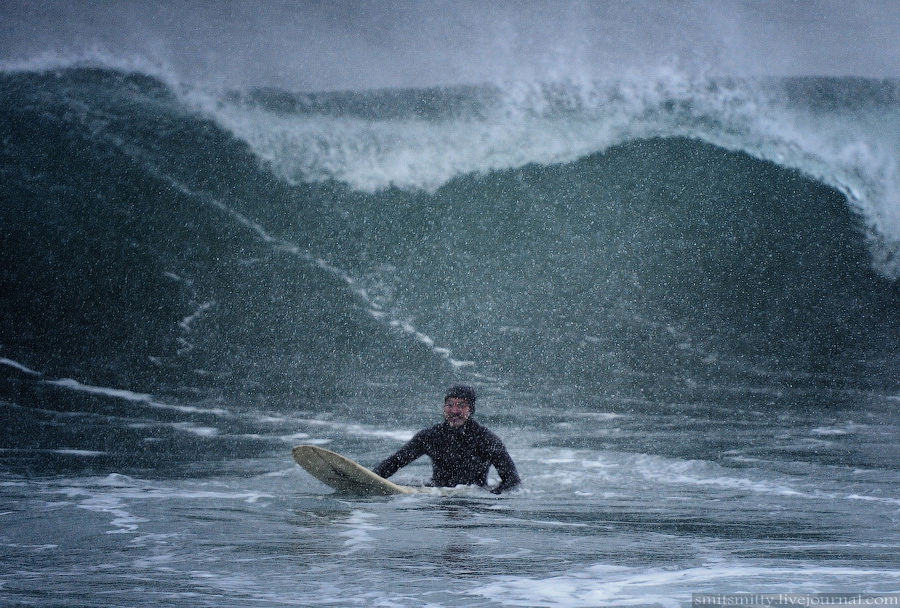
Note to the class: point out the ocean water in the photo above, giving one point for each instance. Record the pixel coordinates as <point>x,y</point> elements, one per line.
<point>679,299</point>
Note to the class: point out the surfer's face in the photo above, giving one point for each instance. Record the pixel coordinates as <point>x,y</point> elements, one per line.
<point>456,411</point>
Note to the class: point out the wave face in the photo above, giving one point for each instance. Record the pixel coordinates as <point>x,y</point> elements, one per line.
<point>266,246</point>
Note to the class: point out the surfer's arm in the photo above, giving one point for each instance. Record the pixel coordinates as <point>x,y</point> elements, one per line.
<point>402,457</point>
<point>506,468</point>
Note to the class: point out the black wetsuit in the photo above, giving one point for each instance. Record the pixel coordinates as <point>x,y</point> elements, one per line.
<point>458,456</point>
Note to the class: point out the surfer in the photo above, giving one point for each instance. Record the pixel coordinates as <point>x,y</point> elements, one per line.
<point>461,450</point>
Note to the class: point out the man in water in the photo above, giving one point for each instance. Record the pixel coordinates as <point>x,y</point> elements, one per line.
<point>461,450</point>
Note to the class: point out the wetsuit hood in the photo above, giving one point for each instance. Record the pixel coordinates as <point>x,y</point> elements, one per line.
<point>463,391</point>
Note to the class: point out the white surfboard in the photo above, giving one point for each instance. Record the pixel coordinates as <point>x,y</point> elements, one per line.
<point>345,475</point>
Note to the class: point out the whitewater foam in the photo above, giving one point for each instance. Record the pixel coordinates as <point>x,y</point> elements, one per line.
<point>609,585</point>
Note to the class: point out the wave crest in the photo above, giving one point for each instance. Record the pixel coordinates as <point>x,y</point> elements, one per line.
<point>422,139</point>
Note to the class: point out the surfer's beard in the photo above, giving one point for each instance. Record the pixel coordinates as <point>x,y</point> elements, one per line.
<point>456,421</point>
